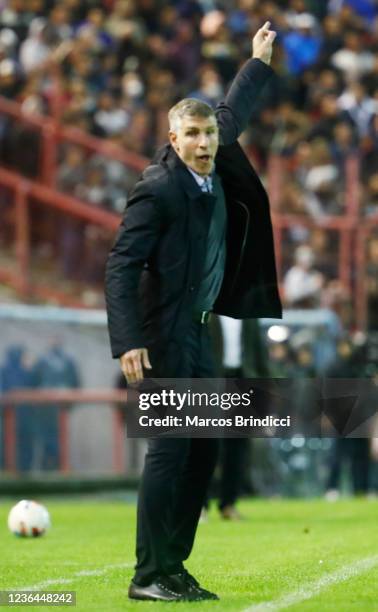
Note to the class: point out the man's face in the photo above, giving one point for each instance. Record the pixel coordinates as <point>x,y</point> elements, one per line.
<point>196,142</point>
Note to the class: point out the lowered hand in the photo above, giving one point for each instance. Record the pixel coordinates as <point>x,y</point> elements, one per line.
<point>132,364</point>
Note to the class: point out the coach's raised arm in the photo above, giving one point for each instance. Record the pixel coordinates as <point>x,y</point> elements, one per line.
<point>234,113</point>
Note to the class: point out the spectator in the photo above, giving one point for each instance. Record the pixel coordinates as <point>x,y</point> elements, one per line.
<point>328,82</point>
<point>14,16</point>
<point>133,90</point>
<point>332,37</point>
<point>321,182</point>
<point>94,189</point>
<point>219,48</point>
<point>291,127</point>
<point>210,89</point>
<point>364,8</point>
<point>372,284</point>
<point>137,138</point>
<point>371,197</point>
<point>302,283</point>
<point>304,364</point>
<point>324,245</point>
<point>330,115</point>
<point>353,453</point>
<point>71,174</point>
<point>241,352</point>
<point>280,360</point>
<point>71,170</point>
<point>79,100</point>
<point>343,144</point>
<point>96,245</point>
<point>301,44</point>
<point>54,370</point>
<point>8,44</point>
<point>124,25</point>
<point>31,96</point>
<point>10,80</point>
<point>358,106</point>
<point>16,373</point>
<point>184,51</point>
<point>352,59</point>
<point>59,19</point>
<point>292,199</point>
<point>35,50</point>
<point>109,118</point>
<point>370,154</point>
<point>262,134</point>
<point>94,28</point>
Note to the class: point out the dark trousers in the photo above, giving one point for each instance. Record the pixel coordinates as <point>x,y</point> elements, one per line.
<point>354,453</point>
<point>233,461</point>
<point>176,475</point>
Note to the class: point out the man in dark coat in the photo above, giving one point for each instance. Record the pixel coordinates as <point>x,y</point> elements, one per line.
<point>196,237</point>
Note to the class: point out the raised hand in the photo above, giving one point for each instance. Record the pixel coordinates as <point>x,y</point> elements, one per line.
<point>262,43</point>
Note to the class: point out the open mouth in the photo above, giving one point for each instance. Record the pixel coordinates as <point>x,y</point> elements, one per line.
<point>204,158</point>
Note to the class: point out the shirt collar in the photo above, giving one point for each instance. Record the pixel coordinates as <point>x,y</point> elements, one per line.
<point>202,180</point>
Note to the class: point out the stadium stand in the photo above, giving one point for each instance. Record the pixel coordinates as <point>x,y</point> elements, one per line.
<point>84,91</point>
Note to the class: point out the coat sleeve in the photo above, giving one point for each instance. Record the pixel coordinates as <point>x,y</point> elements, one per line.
<point>235,112</point>
<point>136,239</point>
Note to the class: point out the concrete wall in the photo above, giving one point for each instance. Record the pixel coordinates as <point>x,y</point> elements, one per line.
<point>90,427</point>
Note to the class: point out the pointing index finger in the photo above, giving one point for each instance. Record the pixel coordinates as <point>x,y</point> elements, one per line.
<point>266,26</point>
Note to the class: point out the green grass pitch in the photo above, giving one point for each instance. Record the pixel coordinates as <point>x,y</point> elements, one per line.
<point>297,555</point>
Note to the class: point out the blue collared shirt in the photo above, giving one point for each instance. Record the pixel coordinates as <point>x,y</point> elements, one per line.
<point>204,182</point>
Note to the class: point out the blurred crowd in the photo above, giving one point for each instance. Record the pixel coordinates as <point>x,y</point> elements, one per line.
<point>114,68</point>
<point>122,64</point>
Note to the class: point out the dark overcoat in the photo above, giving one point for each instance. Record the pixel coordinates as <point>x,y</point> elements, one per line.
<point>156,264</point>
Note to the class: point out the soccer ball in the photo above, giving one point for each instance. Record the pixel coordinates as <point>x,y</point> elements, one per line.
<point>28,518</point>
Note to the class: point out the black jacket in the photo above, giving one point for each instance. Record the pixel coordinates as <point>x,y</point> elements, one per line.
<point>156,264</point>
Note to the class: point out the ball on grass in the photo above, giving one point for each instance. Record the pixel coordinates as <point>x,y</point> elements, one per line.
<point>28,519</point>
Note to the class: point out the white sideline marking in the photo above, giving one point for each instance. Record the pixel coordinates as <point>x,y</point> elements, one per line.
<point>77,575</point>
<point>316,587</point>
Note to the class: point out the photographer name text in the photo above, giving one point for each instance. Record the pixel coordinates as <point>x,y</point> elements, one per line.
<point>197,421</point>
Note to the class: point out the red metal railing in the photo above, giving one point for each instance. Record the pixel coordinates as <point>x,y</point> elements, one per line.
<point>343,225</point>
<point>52,133</point>
<point>64,399</point>
<point>24,192</point>
<point>353,230</point>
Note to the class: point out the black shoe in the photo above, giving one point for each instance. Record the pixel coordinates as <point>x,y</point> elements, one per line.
<point>161,589</point>
<point>198,593</point>
<point>168,588</point>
